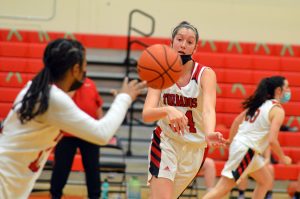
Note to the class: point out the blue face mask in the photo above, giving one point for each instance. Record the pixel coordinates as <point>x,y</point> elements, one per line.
<point>286,97</point>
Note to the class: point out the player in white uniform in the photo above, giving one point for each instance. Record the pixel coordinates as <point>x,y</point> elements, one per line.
<point>186,121</point>
<point>42,109</point>
<point>253,131</point>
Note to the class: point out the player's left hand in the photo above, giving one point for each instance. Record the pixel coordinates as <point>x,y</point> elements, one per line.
<point>216,139</point>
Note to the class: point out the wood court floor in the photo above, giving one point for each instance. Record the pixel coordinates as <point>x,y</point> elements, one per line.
<point>79,192</point>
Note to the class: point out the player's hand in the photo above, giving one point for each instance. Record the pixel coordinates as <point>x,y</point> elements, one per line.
<point>178,121</point>
<point>227,142</point>
<point>286,160</point>
<point>132,88</point>
<point>215,139</point>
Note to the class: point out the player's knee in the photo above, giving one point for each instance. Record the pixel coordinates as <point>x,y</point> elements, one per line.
<point>209,162</point>
<point>267,182</point>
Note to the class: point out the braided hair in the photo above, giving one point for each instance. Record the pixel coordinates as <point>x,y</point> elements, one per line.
<point>59,56</point>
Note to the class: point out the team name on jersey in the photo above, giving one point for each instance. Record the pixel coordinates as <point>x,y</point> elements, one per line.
<point>179,100</point>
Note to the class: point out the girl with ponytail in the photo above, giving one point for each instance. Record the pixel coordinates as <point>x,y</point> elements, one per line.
<point>42,109</point>
<point>35,101</point>
<point>251,134</point>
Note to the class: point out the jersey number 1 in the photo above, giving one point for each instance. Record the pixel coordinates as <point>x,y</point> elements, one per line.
<point>191,123</point>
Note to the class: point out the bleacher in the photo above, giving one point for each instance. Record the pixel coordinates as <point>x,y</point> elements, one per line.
<point>239,67</point>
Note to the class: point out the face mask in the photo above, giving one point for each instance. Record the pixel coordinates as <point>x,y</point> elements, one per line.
<point>286,97</point>
<point>78,83</point>
<point>185,58</point>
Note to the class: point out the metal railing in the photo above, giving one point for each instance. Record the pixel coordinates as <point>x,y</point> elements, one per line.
<point>128,61</point>
<point>131,67</point>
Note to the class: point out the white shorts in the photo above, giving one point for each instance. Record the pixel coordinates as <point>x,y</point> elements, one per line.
<point>242,161</point>
<point>175,161</point>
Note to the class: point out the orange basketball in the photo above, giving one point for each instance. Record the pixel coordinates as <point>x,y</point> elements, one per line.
<point>160,66</point>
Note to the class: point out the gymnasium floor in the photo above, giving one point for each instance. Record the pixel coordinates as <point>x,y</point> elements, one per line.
<point>79,192</point>
<point>134,167</point>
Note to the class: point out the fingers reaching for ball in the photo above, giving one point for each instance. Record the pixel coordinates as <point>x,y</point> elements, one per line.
<point>133,87</point>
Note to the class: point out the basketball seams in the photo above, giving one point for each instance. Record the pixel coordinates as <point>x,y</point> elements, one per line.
<point>165,71</point>
<point>159,65</point>
<point>159,74</point>
<point>149,69</point>
<point>169,67</point>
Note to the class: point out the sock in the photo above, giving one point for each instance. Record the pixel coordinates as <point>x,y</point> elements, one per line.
<point>269,195</point>
<point>241,192</point>
<point>296,195</point>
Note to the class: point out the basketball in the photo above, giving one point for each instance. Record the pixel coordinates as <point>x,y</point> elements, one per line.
<point>160,66</point>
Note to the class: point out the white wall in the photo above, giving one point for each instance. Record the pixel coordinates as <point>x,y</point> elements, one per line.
<point>276,21</point>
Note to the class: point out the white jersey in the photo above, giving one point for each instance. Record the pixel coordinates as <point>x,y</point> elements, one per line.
<point>253,132</point>
<point>187,99</point>
<point>24,148</point>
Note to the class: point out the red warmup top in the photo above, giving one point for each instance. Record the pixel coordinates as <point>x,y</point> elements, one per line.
<point>87,99</point>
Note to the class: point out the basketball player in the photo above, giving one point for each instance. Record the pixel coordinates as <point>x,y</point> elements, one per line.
<point>253,131</point>
<point>186,121</point>
<point>42,109</point>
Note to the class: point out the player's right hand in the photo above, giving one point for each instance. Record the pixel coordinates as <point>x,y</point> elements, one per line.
<point>133,88</point>
<point>178,120</point>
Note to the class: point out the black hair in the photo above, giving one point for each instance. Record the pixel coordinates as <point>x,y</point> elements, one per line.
<point>264,91</point>
<point>60,55</point>
<point>187,25</point>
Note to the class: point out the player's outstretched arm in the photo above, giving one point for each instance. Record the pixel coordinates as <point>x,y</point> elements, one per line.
<point>64,114</point>
<point>209,85</point>
<point>277,117</point>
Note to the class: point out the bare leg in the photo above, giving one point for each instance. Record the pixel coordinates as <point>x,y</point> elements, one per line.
<point>209,170</point>
<point>223,186</point>
<point>298,184</point>
<point>270,192</point>
<point>242,186</point>
<point>297,187</point>
<point>263,180</point>
<point>161,188</point>
<point>271,170</point>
